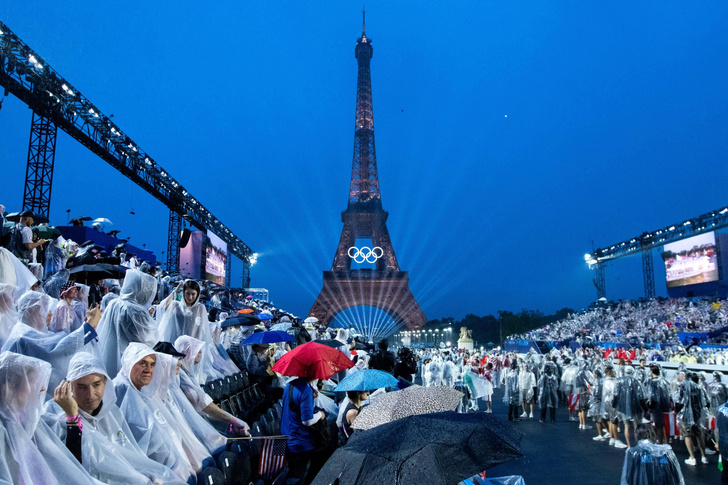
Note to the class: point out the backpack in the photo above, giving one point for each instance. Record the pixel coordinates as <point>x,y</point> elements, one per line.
<point>15,243</point>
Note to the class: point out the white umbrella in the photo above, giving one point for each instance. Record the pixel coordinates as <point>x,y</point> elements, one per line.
<point>311,320</point>
<point>102,222</point>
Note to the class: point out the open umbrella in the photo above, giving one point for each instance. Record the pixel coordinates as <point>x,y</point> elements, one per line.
<point>98,271</point>
<point>240,320</point>
<point>249,297</point>
<point>265,316</point>
<point>46,232</point>
<point>334,344</point>
<point>246,311</point>
<point>311,320</point>
<point>282,326</point>
<point>312,361</point>
<point>437,449</point>
<point>267,338</point>
<point>407,402</point>
<point>15,217</point>
<point>366,380</point>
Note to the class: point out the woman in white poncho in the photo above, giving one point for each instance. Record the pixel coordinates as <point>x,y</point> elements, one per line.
<point>108,449</point>
<point>148,419</point>
<point>189,317</point>
<point>30,336</point>
<point>32,453</point>
<point>127,319</point>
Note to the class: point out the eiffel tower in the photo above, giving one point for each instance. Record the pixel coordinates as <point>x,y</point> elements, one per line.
<point>386,286</point>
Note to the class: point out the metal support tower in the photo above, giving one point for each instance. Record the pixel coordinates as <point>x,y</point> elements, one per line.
<point>228,268</point>
<point>203,256</point>
<point>246,273</point>
<point>176,225</point>
<point>600,281</point>
<point>648,273</point>
<point>39,171</point>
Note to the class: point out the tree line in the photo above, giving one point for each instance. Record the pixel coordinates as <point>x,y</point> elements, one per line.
<point>488,327</point>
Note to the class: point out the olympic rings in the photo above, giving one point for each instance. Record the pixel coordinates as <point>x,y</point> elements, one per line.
<point>370,255</point>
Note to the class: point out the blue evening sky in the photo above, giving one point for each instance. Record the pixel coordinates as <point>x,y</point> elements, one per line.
<point>510,134</point>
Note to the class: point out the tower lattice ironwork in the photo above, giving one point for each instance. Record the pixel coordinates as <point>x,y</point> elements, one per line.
<point>386,287</point>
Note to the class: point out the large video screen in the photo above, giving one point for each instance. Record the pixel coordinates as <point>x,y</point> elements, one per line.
<point>215,259</point>
<point>691,261</point>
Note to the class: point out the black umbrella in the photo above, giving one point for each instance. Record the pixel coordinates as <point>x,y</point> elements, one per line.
<point>15,217</point>
<point>99,271</point>
<point>334,344</point>
<point>240,320</point>
<point>437,449</point>
<point>46,232</point>
<point>78,221</point>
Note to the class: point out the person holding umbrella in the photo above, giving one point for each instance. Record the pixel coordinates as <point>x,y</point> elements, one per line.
<point>356,398</point>
<point>308,362</point>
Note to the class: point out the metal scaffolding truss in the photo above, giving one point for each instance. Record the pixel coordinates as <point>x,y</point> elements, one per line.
<point>39,171</point>
<point>27,76</point>
<point>647,241</point>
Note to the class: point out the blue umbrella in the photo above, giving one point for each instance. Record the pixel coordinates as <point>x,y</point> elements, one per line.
<point>267,338</point>
<point>264,316</point>
<point>366,380</point>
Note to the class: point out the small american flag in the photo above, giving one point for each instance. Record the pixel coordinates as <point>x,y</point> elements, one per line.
<point>272,457</point>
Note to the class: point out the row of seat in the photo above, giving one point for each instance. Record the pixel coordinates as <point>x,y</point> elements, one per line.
<point>236,395</point>
<point>239,464</point>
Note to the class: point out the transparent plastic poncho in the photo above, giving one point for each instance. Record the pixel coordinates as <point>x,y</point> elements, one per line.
<point>30,337</point>
<point>164,373</point>
<point>147,417</point>
<point>651,464</point>
<point>657,392</point>
<point>512,393</point>
<point>13,272</point>
<point>628,393</point>
<point>64,318</point>
<point>127,319</point>
<point>189,379</point>
<point>109,451</point>
<point>8,315</point>
<point>718,395</point>
<point>548,391</point>
<point>32,453</point>
<point>694,403</point>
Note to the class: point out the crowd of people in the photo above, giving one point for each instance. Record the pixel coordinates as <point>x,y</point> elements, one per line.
<point>655,321</point>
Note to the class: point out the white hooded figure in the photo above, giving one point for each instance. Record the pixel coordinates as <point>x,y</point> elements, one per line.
<point>436,370</point>
<point>8,315</point>
<point>80,303</point>
<point>126,319</point>
<point>189,317</point>
<point>147,416</point>
<point>13,272</point>
<point>65,318</point>
<point>450,373</point>
<point>31,337</point>
<point>189,379</point>
<point>108,449</point>
<point>162,387</point>
<point>32,453</point>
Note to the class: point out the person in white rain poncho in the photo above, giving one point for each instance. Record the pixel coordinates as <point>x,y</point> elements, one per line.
<point>13,272</point>
<point>32,453</point>
<point>198,399</point>
<point>108,449</point>
<point>64,317</point>
<point>127,319</point>
<point>189,317</point>
<point>527,386</point>
<point>31,337</point>
<point>146,415</point>
<point>165,372</point>
<point>8,315</point>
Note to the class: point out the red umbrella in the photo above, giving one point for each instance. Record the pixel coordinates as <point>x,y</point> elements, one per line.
<point>312,361</point>
<point>246,310</point>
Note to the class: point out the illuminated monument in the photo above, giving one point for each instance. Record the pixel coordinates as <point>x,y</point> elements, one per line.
<point>384,286</point>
